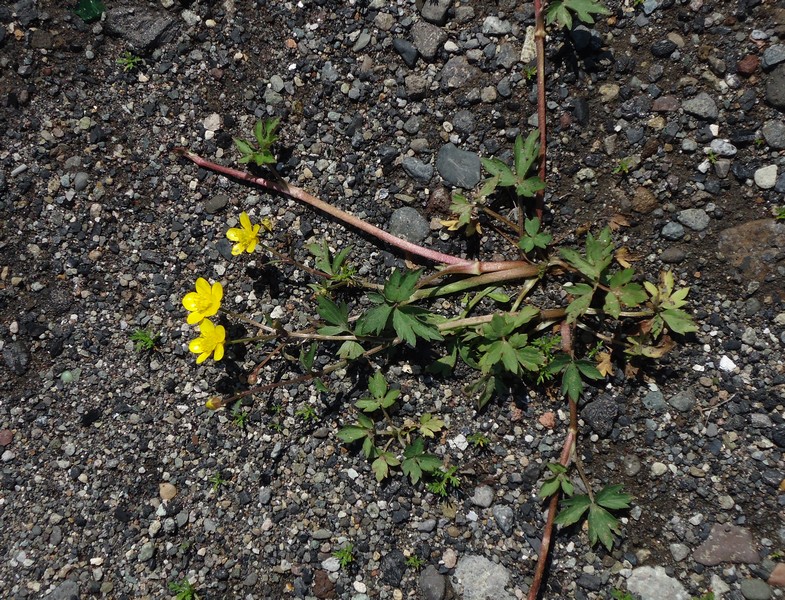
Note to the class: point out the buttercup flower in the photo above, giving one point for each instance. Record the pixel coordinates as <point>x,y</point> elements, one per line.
<point>204,302</point>
<point>247,236</point>
<point>211,341</point>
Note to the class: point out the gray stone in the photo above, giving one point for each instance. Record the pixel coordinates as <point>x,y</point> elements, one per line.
<point>600,415</point>
<point>753,248</point>
<point>271,97</point>
<point>407,223</point>
<point>766,177</point>
<point>654,401</point>
<point>68,590</point>
<point>679,551</point>
<point>432,584</point>
<point>653,583</point>
<point>694,218</point>
<point>362,41</point>
<point>215,203</point>
<point>16,357</point>
<point>493,25</point>
<point>428,39</point>
<point>775,88</point>
<point>631,465</point>
<point>146,552</point>
<point>477,578</point>
<point>457,72</point>
<point>505,518</point>
<point>727,544</point>
<point>683,401</point>
<point>142,28</point>
<point>417,169</point>
<point>80,181</point>
<point>723,148</point>
<point>407,51</point>
<point>483,496</point>
<point>772,56</point>
<point>329,73</point>
<point>507,55</point>
<point>673,255</point>
<point>435,11</point>
<point>458,168</point>
<point>673,231</point>
<point>416,87</point>
<point>774,133</point>
<point>755,589</point>
<point>463,121</point>
<point>701,106</point>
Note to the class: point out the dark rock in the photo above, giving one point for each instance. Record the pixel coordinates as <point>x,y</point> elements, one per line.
<point>644,201</point>
<point>417,169</point>
<point>457,72</point>
<point>16,357</point>
<point>654,401</point>
<point>458,168</point>
<point>772,56</point>
<point>68,590</point>
<point>428,39</point>
<point>142,28</point>
<point>600,415</point>
<point>752,248</point>
<point>416,87</point>
<point>407,51</point>
<point>701,106</point>
<point>504,517</point>
<point>775,88</point>
<point>683,401</point>
<point>322,586</point>
<point>589,582</point>
<point>215,203</point>
<point>673,255</point>
<point>435,11</point>
<point>747,65</point>
<point>774,133</point>
<point>432,584</point>
<point>463,121</point>
<point>393,566</point>
<point>663,48</point>
<point>581,110</point>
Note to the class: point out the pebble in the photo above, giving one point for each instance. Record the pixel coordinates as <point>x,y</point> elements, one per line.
<point>727,544</point>
<point>653,583</point>
<point>679,551</point>
<point>427,39</point>
<point>775,88</point>
<point>493,25</point>
<point>457,72</point>
<point>695,218</point>
<point>458,168</point>
<point>167,491</point>
<point>774,133</point>
<point>772,56</point>
<point>766,177</point>
<point>659,469</point>
<point>504,517</point>
<point>435,11</point>
<point>407,223</point>
<point>146,552</point>
<point>483,496</point>
<point>432,584</point>
<point>683,401</point>
<point>755,589</point>
<point>216,203</point>
<point>673,231</point>
<point>417,169</point>
<point>477,577</point>
<point>702,106</point>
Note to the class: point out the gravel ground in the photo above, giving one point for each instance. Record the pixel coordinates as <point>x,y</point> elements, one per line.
<point>108,456</point>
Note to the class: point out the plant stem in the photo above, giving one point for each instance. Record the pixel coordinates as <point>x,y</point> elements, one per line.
<point>296,193</point>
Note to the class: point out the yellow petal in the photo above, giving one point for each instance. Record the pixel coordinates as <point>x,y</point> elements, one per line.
<point>234,234</point>
<point>191,300</point>
<point>202,287</point>
<point>219,352</point>
<point>202,358</point>
<point>207,328</point>
<point>251,246</point>
<point>217,292</point>
<point>194,318</point>
<point>237,249</point>
<point>196,346</point>
<point>245,221</point>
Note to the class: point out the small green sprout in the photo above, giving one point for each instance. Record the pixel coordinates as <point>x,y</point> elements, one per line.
<point>778,212</point>
<point>145,340</point>
<point>129,61</point>
<point>619,595</point>
<point>759,142</point>
<point>307,413</point>
<point>239,416</point>
<point>443,481</point>
<point>479,440</point>
<point>183,590</point>
<point>623,167</point>
<point>712,157</point>
<point>345,555</point>
<point>264,132</point>
<point>530,72</point>
<point>414,562</point>
<point>216,481</point>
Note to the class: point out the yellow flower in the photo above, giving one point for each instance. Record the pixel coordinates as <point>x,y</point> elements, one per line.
<point>204,302</point>
<point>210,341</point>
<point>247,236</point>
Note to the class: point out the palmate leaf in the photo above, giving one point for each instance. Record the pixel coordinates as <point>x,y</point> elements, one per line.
<point>400,286</point>
<point>583,296</point>
<point>430,425</point>
<point>89,10</point>
<point>678,321</point>
<point>381,466</point>
<point>572,510</point>
<point>374,321</point>
<point>526,153</point>
<point>352,433</point>
<point>350,350</point>
<point>560,12</point>
<point>409,327</point>
<point>602,526</point>
<point>416,461</point>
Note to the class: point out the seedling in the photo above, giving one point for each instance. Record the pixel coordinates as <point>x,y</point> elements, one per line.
<point>778,212</point>
<point>264,132</point>
<point>622,167</point>
<point>129,61</point>
<point>145,340</point>
<point>307,413</point>
<point>345,555</point>
<point>530,72</point>
<point>414,562</point>
<point>239,416</point>
<point>620,595</point>
<point>712,156</point>
<point>216,481</point>
<point>444,480</point>
<point>478,440</point>
<point>183,590</point>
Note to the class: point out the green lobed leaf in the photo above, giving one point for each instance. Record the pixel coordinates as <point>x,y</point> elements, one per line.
<point>430,425</point>
<point>585,9</point>
<point>571,383</point>
<point>374,321</point>
<point>352,433</point>
<point>612,305</point>
<point>530,358</point>
<point>529,187</point>
<point>572,510</point>
<point>558,13</point>
<point>244,147</point>
<point>588,370</point>
<point>611,497</point>
<point>307,357</point>
<point>368,405</point>
<point>350,350</point>
<point>400,286</point>
<point>377,385</point>
<point>678,321</point>
<point>549,488</point>
<point>602,525</point>
<point>583,297</point>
